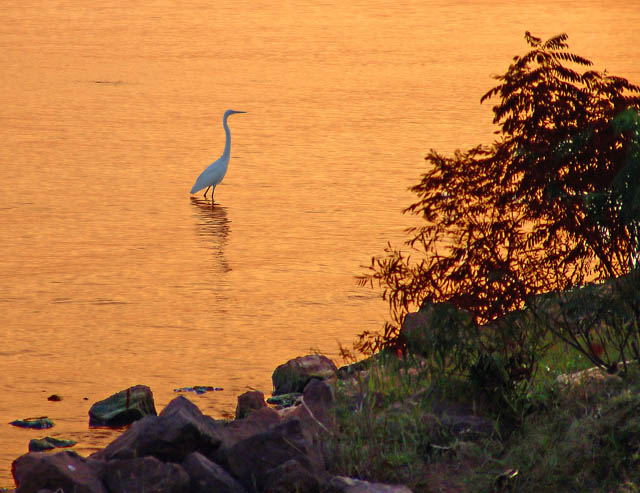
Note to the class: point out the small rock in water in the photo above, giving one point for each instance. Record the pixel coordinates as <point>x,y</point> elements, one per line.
<point>34,423</point>
<point>198,389</point>
<point>48,443</point>
<point>54,398</point>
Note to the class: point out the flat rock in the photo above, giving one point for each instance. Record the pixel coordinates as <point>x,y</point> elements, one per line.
<point>294,375</point>
<point>199,389</point>
<point>65,470</point>
<point>123,408</point>
<point>40,423</point>
<point>49,443</point>
<point>285,400</point>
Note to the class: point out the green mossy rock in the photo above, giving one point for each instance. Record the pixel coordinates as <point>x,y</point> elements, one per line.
<point>123,408</point>
<point>33,423</point>
<point>48,443</point>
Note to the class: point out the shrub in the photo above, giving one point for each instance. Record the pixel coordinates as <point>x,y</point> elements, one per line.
<point>552,203</point>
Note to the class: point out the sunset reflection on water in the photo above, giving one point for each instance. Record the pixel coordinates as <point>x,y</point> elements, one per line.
<point>112,275</point>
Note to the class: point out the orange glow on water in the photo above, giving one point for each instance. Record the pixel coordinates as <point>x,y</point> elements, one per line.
<point>112,275</point>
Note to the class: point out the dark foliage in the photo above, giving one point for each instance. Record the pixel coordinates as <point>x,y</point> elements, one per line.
<point>601,321</point>
<point>552,203</point>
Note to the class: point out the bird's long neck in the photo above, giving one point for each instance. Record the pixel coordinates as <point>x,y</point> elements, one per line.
<point>227,144</point>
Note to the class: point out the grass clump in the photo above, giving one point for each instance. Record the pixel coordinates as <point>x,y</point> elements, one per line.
<point>394,422</point>
<point>586,437</point>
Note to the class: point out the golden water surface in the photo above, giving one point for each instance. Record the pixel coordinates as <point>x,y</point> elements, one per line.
<point>112,275</point>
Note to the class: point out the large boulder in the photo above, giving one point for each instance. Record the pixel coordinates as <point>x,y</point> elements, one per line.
<point>252,460</point>
<point>65,471</point>
<point>179,430</point>
<point>249,401</point>
<point>145,474</point>
<point>434,326</point>
<point>123,408</point>
<point>295,374</point>
<point>207,476</point>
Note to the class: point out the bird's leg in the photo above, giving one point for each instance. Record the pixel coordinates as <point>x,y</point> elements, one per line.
<point>205,192</point>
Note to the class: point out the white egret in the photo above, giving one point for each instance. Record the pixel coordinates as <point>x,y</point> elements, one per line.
<point>214,173</point>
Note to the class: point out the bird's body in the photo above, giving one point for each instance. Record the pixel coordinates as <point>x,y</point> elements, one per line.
<point>214,173</point>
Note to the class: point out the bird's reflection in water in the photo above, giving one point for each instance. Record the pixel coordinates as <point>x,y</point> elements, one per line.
<point>213,225</point>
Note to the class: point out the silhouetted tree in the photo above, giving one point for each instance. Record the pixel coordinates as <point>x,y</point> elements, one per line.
<point>552,203</point>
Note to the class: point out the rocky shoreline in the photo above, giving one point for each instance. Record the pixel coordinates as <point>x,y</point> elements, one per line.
<point>264,449</point>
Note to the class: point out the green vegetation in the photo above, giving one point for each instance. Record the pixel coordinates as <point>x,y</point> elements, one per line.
<point>526,274</point>
<point>553,203</point>
<point>395,424</point>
